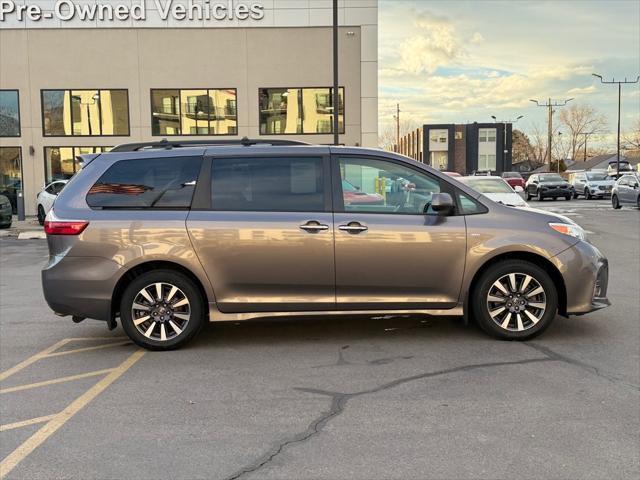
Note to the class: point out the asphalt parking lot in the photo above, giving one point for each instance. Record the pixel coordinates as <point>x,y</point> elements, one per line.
<point>385,398</point>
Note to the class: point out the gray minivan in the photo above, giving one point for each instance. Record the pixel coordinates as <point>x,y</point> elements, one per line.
<point>167,236</point>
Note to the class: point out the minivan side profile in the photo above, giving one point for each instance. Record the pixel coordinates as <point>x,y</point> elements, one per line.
<point>167,236</point>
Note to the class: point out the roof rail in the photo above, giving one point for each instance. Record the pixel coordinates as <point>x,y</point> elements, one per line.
<point>165,144</point>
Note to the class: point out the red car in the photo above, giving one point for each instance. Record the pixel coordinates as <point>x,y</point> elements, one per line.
<point>353,196</point>
<point>514,179</point>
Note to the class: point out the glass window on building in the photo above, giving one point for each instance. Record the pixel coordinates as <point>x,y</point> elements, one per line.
<point>11,174</point>
<point>9,113</point>
<point>86,113</point>
<point>438,136</point>
<point>486,162</point>
<point>487,135</point>
<point>288,111</point>
<point>194,112</point>
<point>60,163</point>
<point>439,160</point>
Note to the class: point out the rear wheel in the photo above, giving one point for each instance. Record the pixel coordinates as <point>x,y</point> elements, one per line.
<point>567,197</point>
<point>162,310</point>
<point>41,215</point>
<point>575,195</point>
<point>615,203</point>
<point>514,300</point>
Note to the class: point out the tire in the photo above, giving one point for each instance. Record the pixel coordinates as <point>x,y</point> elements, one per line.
<point>615,203</point>
<point>543,307</point>
<point>567,198</point>
<point>555,198</point>
<point>540,196</point>
<point>575,195</point>
<point>587,194</point>
<point>41,214</point>
<point>528,195</point>
<point>177,331</point>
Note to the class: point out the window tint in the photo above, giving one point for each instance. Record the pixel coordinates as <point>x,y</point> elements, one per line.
<point>468,206</point>
<point>147,183</point>
<point>386,187</point>
<point>267,184</point>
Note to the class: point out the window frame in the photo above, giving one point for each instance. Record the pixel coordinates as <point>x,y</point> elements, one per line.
<point>19,113</point>
<point>204,194</point>
<point>344,115</point>
<point>45,135</point>
<point>338,199</point>
<point>73,147</point>
<point>182,134</point>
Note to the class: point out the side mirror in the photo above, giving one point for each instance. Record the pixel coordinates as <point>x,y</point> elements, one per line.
<point>442,203</point>
<point>518,189</point>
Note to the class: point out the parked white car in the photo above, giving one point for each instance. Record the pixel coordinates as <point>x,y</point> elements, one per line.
<point>593,184</point>
<point>497,189</point>
<point>47,196</point>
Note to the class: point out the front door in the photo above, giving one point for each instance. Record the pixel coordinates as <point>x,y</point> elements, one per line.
<point>266,242</point>
<point>392,251</point>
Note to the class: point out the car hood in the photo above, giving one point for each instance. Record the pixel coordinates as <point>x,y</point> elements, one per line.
<point>508,199</point>
<point>557,216</point>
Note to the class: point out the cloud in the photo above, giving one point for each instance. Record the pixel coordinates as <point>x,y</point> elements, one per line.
<point>476,38</point>
<point>582,90</point>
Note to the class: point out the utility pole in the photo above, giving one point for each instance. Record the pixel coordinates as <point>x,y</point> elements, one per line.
<point>550,104</point>
<point>620,83</point>
<point>397,117</point>
<point>336,88</point>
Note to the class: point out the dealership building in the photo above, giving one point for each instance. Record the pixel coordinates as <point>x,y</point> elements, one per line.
<point>83,76</point>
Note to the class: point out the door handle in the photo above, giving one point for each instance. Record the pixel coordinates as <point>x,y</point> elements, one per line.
<point>314,227</point>
<point>353,227</point>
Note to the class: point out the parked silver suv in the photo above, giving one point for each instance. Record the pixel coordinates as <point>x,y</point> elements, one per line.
<point>167,236</point>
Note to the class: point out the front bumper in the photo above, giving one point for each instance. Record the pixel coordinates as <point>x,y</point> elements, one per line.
<point>556,192</point>
<point>586,277</point>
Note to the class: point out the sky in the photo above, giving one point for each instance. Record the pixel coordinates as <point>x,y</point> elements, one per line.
<point>459,61</point>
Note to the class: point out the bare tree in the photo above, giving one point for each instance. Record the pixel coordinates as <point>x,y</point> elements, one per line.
<point>579,121</point>
<point>388,136</point>
<point>631,138</point>
<point>538,139</point>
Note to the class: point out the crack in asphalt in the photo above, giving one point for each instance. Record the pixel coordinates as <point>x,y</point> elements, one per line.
<point>339,401</point>
<point>585,366</point>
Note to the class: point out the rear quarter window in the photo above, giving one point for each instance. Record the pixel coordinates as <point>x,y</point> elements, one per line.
<point>153,183</point>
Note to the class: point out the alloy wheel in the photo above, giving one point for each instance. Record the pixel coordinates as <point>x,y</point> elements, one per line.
<point>160,311</point>
<point>516,302</point>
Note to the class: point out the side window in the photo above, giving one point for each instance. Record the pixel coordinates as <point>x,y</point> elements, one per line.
<point>57,188</point>
<point>50,189</point>
<point>147,183</point>
<point>286,184</point>
<point>379,186</point>
<point>468,206</point>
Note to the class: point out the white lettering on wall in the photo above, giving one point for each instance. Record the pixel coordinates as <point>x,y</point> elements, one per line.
<point>137,11</point>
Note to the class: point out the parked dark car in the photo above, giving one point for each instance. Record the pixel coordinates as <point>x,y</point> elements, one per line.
<point>514,179</point>
<point>548,185</point>
<point>169,235</point>
<point>5,212</point>
<point>626,191</point>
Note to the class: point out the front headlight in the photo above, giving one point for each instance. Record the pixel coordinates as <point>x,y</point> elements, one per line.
<point>570,229</point>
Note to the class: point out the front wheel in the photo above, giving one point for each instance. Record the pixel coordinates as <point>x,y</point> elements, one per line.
<point>615,203</point>
<point>162,310</point>
<point>514,300</point>
<point>41,215</point>
<point>587,194</point>
<point>540,196</point>
<point>528,195</point>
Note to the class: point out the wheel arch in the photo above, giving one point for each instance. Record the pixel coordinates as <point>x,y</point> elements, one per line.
<point>533,258</point>
<point>150,266</point>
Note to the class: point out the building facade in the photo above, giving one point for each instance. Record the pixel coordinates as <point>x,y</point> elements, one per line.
<point>461,148</point>
<point>79,77</point>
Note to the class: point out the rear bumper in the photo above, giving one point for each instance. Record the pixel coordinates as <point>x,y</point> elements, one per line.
<point>586,276</point>
<point>80,286</point>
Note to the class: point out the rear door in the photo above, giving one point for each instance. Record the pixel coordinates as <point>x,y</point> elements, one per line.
<point>266,237</point>
<point>392,251</point>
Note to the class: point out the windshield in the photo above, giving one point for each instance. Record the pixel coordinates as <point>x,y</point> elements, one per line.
<point>598,176</point>
<point>551,178</point>
<point>489,185</point>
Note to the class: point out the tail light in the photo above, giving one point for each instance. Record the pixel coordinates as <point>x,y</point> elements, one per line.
<point>58,227</point>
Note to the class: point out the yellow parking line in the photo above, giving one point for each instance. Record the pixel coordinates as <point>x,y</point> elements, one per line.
<point>59,419</point>
<point>32,359</point>
<point>86,349</point>
<point>55,380</point>
<point>26,423</point>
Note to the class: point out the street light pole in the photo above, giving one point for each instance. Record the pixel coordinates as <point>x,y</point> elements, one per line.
<point>550,106</point>
<point>620,83</point>
<point>336,91</point>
